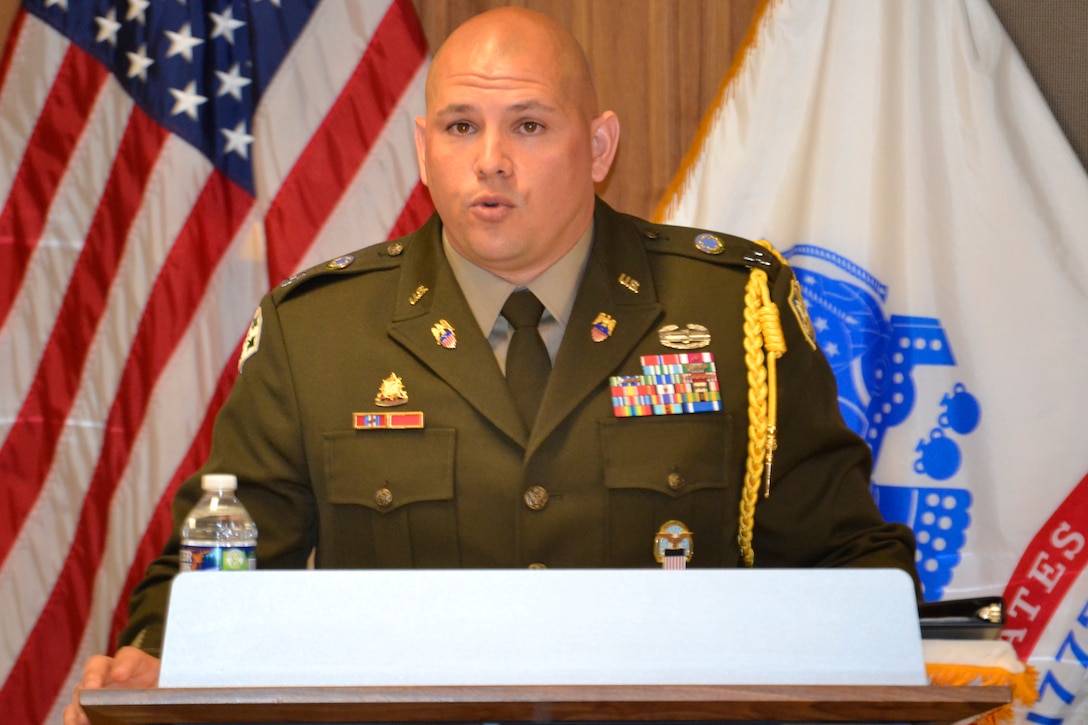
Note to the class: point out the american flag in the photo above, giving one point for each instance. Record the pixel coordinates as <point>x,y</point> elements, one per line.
<point>162,164</point>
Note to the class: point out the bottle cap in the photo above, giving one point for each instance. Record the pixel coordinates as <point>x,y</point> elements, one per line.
<point>219,482</point>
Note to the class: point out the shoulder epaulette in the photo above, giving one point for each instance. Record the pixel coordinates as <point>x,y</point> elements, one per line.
<point>368,259</point>
<point>710,246</point>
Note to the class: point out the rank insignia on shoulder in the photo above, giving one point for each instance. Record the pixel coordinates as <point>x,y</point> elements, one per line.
<point>292,279</point>
<point>341,262</point>
<point>689,337</point>
<point>387,421</point>
<point>444,334</point>
<point>800,311</point>
<point>391,392</point>
<point>253,339</point>
<point>709,243</point>
<point>673,545</point>
<point>602,327</point>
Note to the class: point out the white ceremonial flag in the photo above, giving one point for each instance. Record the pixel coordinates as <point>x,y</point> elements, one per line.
<point>902,158</point>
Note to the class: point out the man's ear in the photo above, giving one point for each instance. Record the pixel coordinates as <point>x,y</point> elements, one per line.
<point>605,137</point>
<point>421,148</point>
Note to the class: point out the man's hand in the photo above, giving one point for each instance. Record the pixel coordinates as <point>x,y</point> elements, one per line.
<point>130,667</point>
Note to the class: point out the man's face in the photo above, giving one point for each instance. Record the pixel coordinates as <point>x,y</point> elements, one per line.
<point>509,157</point>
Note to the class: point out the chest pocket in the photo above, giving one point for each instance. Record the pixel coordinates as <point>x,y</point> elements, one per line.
<point>664,468</point>
<point>390,499</point>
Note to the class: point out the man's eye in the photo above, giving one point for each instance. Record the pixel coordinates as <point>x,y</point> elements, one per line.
<point>531,127</point>
<point>460,127</point>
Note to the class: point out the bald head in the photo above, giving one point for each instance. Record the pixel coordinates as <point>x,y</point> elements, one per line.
<point>512,143</point>
<point>496,41</point>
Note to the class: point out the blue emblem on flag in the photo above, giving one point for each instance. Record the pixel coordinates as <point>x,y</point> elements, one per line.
<point>875,357</point>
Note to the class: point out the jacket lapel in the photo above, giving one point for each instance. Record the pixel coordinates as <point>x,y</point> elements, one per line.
<point>469,368</point>
<point>582,364</point>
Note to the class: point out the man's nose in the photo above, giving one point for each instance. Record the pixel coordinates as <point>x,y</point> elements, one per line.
<point>494,157</point>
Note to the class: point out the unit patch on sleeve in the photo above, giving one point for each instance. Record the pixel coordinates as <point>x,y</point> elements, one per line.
<point>253,339</point>
<point>797,303</point>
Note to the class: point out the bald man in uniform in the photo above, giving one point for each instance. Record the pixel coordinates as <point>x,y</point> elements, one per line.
<point>375,423</point>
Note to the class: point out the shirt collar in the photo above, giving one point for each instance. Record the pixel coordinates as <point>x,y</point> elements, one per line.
<point>486,293</point>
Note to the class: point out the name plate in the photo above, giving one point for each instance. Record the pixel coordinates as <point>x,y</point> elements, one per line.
<point>542,627</point>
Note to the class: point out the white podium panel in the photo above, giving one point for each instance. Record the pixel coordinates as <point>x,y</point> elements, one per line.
<point>542,627</point>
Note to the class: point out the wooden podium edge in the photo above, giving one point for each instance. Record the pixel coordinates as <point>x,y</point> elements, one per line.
<point>604,703</point>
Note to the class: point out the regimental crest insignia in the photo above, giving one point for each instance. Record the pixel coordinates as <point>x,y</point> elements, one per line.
<point>709,244</point>
<point>341,262</point>
<point>444,334</point>
<point>797,304</point>
<point>602,327</point>
<point>689,337</point>
<point>253,339</point>
<point>391,392</point>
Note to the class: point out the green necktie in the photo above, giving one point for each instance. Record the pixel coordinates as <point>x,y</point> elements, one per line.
<point>527,361</point>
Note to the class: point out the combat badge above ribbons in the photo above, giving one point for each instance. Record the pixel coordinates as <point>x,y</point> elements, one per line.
<point>253,339</point>
<point>690,337</point>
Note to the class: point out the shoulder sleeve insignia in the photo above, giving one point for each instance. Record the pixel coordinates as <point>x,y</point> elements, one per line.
<point>800,311</point>
<point>253,339</point>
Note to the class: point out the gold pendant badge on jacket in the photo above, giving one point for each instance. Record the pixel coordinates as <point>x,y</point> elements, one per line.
<point>391,393</point>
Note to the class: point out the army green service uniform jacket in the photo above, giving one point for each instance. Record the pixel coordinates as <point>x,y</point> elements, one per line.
<point>473,488</point>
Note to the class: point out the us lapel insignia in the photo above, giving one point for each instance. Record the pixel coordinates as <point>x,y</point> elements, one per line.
<point>444,334</point>
<point>629,282</point>
<point>253,339</point>
<point>391,392</point>
<point>418,294</point>
<point>689,337</point>
<point>602,327</point>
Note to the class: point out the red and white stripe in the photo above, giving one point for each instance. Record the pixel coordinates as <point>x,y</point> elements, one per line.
<point>129,270</point>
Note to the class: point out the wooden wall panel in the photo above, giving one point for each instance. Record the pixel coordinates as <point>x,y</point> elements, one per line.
<point>658,65</point>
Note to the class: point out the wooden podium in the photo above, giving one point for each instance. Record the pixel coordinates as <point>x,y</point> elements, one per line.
<point>544,704</point>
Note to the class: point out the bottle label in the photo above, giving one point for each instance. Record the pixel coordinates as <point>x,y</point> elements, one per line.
<point>218,558</point>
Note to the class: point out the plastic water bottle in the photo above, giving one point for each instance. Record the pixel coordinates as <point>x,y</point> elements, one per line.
<point>218,534</point>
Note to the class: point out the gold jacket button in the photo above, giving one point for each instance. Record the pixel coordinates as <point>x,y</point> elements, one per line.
<point>383,497</point>
<point>675,481</point>
<point>538,565</point>
<point>536,498</point>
